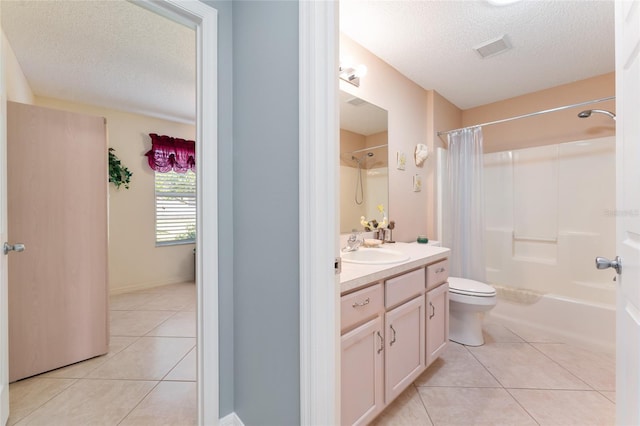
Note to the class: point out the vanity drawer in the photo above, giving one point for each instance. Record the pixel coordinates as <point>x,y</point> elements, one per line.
<point>404,287</point>
<point>361,305</point>
<point>437,273</point>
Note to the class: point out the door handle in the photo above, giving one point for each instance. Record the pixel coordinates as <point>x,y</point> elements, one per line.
<point>18,247</point>
<point>604,263</point>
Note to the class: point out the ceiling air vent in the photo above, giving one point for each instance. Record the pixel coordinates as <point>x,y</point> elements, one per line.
<point>493,47</point>
<point>356,101</point>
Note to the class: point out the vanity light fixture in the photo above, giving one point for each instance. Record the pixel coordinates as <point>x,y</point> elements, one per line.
<point>352,74</point>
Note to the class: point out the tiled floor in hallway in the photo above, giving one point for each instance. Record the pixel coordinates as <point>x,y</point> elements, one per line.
<point>515,378</point>
<point>147,378</point>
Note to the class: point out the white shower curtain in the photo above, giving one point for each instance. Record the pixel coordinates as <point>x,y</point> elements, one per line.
<point>463,196</point>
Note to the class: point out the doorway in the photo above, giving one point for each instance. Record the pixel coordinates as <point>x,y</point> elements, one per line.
<point>204,19</point>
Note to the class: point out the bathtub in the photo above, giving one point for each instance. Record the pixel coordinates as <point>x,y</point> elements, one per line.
<point>586,324</point>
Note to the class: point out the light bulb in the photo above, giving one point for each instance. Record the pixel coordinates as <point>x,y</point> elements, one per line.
<point>361,70</point>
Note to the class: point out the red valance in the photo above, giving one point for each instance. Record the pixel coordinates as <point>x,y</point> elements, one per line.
<point>169,153</point>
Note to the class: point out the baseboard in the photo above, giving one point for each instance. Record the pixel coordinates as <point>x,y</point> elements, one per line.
<point>231,420</point>
<point>145,286</point>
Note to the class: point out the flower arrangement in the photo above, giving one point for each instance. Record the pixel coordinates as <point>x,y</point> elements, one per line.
<point>373,224</point>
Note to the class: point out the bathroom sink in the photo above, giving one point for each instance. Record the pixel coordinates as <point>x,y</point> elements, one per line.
<point>374,256</point>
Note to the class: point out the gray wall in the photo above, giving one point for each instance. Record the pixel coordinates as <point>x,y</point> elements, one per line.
<point>258,210</point>
<point>225,202</point>
<point>265,212</point>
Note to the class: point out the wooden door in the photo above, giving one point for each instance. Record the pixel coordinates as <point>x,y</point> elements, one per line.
<point>57,207</point>
<point>361,393</point>
<point>437,307</point>
<point>404,346</point>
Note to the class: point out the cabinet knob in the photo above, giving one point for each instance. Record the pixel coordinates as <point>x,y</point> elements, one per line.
<point>381,342</point>
<point>393,339</point>
<point>433,310</point>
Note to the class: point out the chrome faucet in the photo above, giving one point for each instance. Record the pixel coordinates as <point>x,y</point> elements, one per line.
<point>354,242</point>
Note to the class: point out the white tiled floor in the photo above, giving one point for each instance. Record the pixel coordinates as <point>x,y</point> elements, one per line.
<point>510,381</point>
<point>147,378</point>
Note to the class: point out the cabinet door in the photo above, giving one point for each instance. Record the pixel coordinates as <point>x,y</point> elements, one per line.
<point>437,321</point>
<point>405,346</point>
<point>361,373</point>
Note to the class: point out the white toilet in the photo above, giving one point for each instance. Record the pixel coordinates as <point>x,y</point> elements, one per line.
<point>468,301</point>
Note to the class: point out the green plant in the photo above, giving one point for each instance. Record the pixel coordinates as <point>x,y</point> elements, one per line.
<point>118,174</point>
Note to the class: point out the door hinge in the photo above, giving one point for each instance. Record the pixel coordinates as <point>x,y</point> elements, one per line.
<point>338,265</point>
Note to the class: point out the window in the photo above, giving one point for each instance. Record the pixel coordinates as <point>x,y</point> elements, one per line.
<point>175,208</point>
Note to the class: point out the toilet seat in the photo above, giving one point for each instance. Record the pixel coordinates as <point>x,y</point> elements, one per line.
<point>467,287</point>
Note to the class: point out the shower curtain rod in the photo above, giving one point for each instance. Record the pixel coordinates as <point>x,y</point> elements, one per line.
<point>504,120</point>
<point>366,149</point>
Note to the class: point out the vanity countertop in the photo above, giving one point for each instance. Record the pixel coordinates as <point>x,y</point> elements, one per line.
<point>356,275</point>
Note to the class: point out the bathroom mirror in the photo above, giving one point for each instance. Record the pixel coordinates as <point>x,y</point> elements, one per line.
<point>364,162</point>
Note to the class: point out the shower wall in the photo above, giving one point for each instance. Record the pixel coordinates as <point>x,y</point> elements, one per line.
<point>549,213</point>
<point>375,191</point>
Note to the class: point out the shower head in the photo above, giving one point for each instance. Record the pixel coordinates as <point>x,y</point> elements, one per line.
<point>358,160</point>
<point>587,113</point>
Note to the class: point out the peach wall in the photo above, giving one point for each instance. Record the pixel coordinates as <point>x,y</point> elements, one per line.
<point>134,260</point>
<point>406,103</point>
<point>546,129</point>
<point>445,116</point>
<point>349,142</point>
<point>381,157</point>
<point>18,89</point>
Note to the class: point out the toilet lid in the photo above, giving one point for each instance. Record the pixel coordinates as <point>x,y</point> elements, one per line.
<point>470,287</point>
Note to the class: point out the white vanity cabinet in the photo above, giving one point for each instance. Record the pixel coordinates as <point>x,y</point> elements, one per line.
<point>362,355</point>
<point>404,331</point>
<point>391,330</point>
<point>437,307</point>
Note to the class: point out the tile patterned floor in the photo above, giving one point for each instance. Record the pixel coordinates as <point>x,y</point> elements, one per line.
<point>147,378</point>
<point>515,378</point>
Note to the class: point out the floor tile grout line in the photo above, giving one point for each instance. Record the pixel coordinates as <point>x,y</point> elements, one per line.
<point>562,366</point>
<point>176,365</point>
<point>154,328</point>
<point>424,405</point>
<point>45,402</point>
<point>546,356</point>
<point>522,406</point>
<point>483,366</point>
<point>138,404</point>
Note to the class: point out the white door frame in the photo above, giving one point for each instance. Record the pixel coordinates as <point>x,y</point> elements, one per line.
<point>204,20</point>
<point>319,286</point>
<point>4,281</point>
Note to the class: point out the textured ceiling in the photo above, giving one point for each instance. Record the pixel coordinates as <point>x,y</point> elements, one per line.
<point>431,42</point>
<point>118,55</point>
<point>106,53</point>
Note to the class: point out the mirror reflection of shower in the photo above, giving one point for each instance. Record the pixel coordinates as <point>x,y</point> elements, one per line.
<point>363,161</point>
<point>359,181</point>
